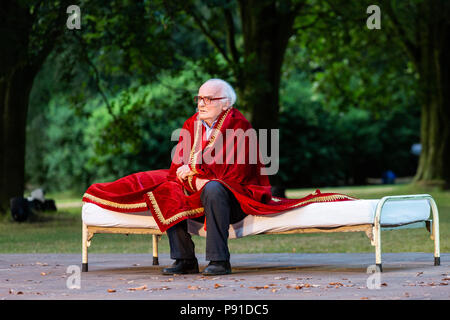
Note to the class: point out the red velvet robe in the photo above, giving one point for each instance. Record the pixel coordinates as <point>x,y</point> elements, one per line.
<point>171,201</point>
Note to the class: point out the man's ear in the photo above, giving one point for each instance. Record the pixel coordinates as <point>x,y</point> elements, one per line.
<point>226,105</point>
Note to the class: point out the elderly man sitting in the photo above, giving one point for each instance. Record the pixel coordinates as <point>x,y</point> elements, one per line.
<point>204,182</point>
<point>215,104</point>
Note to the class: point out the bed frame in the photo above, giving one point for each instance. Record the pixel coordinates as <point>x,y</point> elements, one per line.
<point>373,231</point>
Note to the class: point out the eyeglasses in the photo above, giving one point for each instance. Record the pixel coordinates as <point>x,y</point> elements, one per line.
<point>206,99</point>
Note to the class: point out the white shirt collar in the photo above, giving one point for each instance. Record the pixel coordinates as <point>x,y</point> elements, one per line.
<point>208,128</point>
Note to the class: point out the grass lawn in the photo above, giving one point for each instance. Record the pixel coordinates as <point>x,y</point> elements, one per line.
<point>60,232</point>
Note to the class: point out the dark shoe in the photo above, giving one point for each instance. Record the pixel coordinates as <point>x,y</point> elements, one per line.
<point>216,268</point>
<point>182,266</point>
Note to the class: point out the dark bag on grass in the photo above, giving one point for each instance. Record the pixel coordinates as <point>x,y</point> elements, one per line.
<point>49,205</point>
<point>20,209</point>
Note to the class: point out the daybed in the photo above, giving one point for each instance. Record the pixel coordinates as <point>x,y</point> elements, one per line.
<point>369,216</point>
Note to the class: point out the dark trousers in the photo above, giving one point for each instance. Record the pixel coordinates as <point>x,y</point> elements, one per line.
<point>221,210</point>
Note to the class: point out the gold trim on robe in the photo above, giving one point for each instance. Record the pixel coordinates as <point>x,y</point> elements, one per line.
<point>198,138</point>
<point>115,204</point>
<point>173,218</point>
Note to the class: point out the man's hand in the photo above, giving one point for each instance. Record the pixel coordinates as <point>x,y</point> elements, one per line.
<point>199,183</point>
<point>183,172</point>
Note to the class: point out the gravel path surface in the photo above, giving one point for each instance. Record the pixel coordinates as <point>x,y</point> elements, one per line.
<point>285,276</point>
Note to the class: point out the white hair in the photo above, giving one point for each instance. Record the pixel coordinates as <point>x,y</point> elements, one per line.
<point>226,88</point>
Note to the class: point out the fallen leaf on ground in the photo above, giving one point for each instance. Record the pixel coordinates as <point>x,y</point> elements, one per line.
<point>11,291</point>
<point>217,285</point>
<point>335,284</point>
<point>162,288</point>
<point>111,290</point>
<point>193,287</point>
<point>43,274</point>
<point>295,286</point>
<point>138,288</point>
<point>431,284</point>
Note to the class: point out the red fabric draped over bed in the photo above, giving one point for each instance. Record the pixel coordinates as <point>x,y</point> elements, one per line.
<point>171,201</point>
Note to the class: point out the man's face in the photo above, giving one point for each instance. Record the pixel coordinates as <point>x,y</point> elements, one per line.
<point>210,112</point>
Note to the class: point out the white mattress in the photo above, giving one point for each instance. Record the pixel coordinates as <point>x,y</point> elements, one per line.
<point>316,215</point>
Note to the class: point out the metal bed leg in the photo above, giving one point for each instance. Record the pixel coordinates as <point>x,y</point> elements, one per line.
<point>437,261</point>
<point>155,250</point>
<point>377,241</point>
<point>377,236</point>
<point>435,232</point>
<point>84,262</point>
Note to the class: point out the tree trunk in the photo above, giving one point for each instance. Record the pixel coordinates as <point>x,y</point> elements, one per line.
<point>23,55</point>
<point>434,162</point>
<point>434,72</point>
<point>266,30</point>
<point>14,96</point>
<point>14,29</point>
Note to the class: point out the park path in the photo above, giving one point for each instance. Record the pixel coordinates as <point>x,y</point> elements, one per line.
<point>284,276</point>
<point>68,205</point>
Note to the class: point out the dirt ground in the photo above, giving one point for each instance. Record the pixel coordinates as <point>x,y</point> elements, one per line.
<point>284,276</point>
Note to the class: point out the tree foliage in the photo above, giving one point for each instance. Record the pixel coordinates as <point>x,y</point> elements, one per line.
<point>347,100</point>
